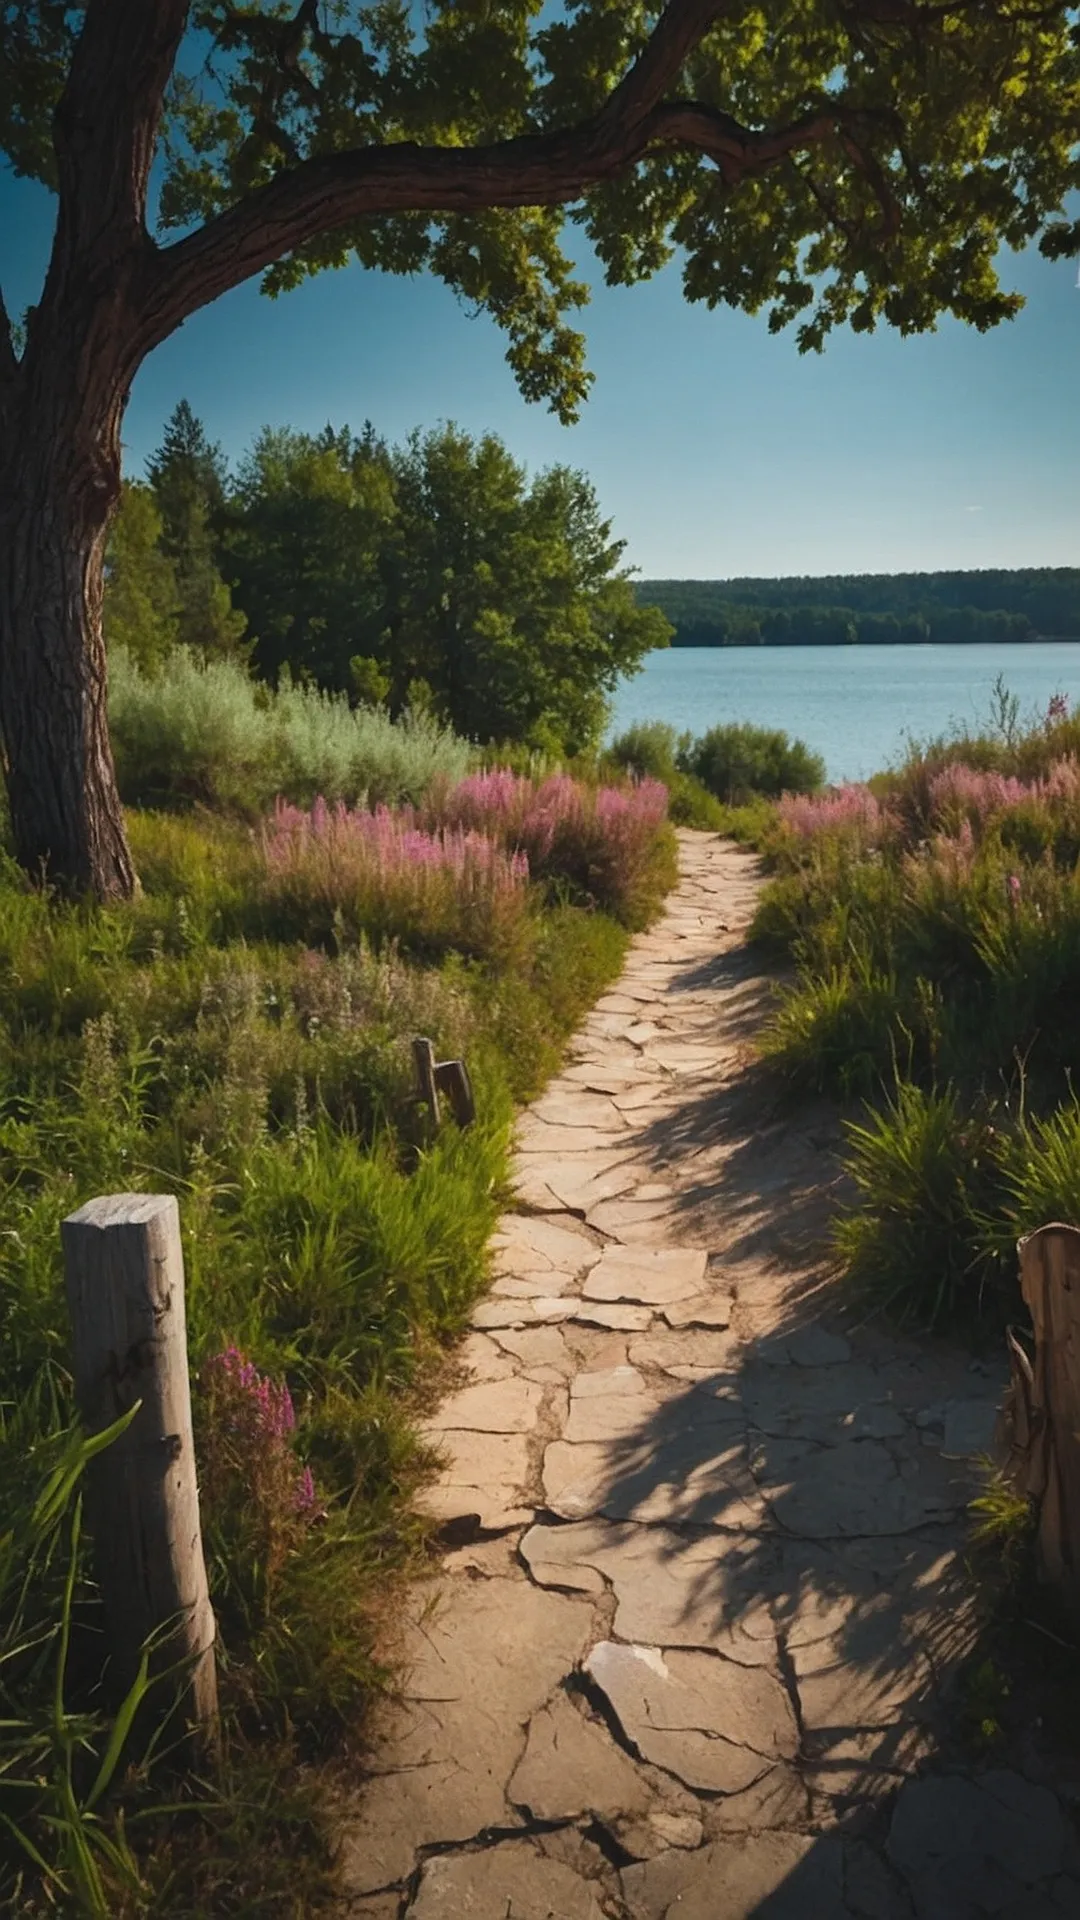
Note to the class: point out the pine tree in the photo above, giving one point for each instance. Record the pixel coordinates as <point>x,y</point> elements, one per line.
<point>188,475</point>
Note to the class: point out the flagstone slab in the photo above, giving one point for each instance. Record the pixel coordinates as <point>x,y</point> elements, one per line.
<point>536,1347</point>
<point>854,1487</point>
<point>713,1724</point>
<point>572,1768</point>
<point>571,1108</point>
<point>973,1847</point>
<point>492,1406</point>
<point>477,1667</point>
<point>631,1210</point>
<point>709,1310</point>
<point>534,1241</point>
<point>826,1404</point>
<point>671,1590</point>
<point>513,1879</point>
<point>651,1095</point>
<point>493,1314</point>
<point>644,1227</point>
<point>609,1405</point>
<point>809,1346</point>
<point>687,1353</point>
<point>647,1276</point>
<point>762,1876</point>
<point>695,1475</point>
<point>482,1359</point>
<point>539,1137</point>
<point>619,1317</point>
<point>483,1479</point>
<point>969,1428</point>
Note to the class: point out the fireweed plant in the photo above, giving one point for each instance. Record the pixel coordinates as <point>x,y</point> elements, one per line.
<point>934,921</point>
<point>240,1036</point>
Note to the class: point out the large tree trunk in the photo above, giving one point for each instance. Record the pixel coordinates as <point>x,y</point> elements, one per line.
<point>58,485</point>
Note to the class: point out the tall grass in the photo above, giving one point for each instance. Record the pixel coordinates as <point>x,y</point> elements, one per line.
<point>605,843</point>
<point>332,1250</point>
<point>934,919</point>
<point>333,872</point>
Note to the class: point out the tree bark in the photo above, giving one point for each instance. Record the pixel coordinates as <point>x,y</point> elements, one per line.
<point>58,485</point>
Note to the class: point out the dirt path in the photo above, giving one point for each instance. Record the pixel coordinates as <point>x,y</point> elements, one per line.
<point>688,1654</point>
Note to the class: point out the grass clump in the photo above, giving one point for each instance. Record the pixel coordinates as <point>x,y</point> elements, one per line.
<point>240,1036</point>
<point>934,921</point>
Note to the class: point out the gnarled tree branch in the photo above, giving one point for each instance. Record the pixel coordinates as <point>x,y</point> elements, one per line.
<point>533,170</point>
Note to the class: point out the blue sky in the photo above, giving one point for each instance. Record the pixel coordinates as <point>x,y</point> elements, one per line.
<point>715,448</point>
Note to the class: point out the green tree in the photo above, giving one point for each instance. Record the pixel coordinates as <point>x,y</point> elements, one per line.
<point>507,597</point>
<point>188,476</point>
<point>306,523</point>
<point>142,602</point>
<point>831,160</point>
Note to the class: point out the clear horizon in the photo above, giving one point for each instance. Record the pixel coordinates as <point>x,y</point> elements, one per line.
<point>716,450</point>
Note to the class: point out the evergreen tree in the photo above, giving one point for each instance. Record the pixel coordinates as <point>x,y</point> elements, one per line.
<point>141,610</point>
<point>188,475</point>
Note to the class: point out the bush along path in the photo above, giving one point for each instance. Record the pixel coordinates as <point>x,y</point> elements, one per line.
<point>702,1596</point>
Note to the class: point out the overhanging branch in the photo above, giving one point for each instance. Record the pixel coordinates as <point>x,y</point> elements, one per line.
<point>536,170</point>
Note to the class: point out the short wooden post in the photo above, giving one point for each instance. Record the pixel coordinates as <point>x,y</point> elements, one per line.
<point>1044,1410</point>
<point>424,1062</point>
<point>125,1286</point>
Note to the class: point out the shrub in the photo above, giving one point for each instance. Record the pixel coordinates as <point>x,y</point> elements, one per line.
<point>736,761</point>
<point>334,873</point>
<point>651,750</point>
<point>205,732</point>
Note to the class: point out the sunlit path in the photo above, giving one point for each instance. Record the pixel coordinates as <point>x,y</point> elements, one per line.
<point>690,1651</point>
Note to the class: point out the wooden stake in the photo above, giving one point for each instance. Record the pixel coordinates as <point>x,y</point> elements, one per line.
<point>125,1286</point>
<point>1045,1411</point>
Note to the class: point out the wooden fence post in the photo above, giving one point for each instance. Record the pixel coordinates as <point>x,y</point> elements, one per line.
<point>1044,1409</point>
<point>124,1268</point>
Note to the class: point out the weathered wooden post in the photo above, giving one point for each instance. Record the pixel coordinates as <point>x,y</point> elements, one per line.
<point>1044,1404</point>
<point>124,1267</point>
<point>450,1077</point>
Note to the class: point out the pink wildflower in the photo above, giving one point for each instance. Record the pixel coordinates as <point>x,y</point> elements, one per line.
<point>848,807</point>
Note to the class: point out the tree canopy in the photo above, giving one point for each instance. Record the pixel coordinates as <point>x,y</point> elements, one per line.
<point>436,572</point>
<point>829,160</point>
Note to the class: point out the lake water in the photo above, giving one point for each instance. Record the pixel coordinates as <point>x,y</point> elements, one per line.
<point>854,705</point>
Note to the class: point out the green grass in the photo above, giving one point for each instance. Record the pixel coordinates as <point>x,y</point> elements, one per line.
<point>936,948</point>
<point>188,1044</point>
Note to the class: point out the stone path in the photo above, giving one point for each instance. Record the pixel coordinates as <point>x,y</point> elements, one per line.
<point>702,1592</point>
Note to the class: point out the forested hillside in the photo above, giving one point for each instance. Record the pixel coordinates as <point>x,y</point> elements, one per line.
<point>871,609</point>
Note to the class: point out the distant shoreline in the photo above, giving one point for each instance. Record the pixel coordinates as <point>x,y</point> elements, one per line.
<point>676,645</point>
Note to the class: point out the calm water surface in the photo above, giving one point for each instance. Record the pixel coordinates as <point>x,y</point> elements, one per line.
<point>854,705</point>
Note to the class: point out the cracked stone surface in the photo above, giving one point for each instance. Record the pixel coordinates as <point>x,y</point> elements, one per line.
<point>704,1583</point>
<point>711,1723</point>
<point>511,1880</point>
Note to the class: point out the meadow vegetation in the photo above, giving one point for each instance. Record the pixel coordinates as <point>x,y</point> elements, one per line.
<point>933,917</point>
<point>239,1036</point>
